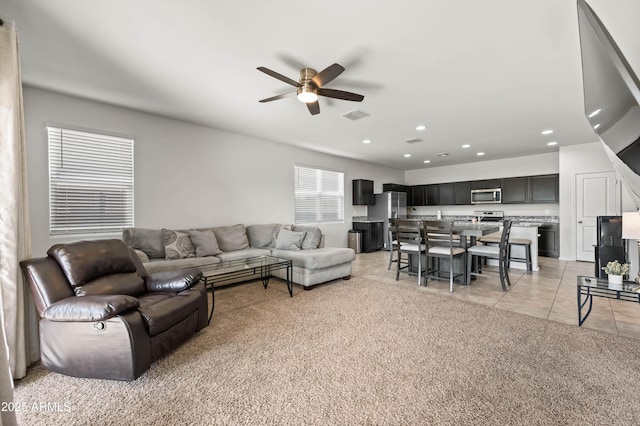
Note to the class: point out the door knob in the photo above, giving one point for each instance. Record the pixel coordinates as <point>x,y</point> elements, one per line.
<point>579,221</point>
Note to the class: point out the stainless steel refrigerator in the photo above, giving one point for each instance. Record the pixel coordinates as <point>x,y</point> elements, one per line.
<point>389,205</point>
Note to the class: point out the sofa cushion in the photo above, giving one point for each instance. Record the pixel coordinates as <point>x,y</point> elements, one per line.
<point>162,311</point>
<point>149,241</point>
<point>262,235</point>
<point>231,238</point>
<point>84,261</point>
<point>318,258</point>
<point>289,240</point>
<point>130,284</point>
<point>205,243</point>
<point>177,244</point>
<point>312,237</point>
<point>90,308</point>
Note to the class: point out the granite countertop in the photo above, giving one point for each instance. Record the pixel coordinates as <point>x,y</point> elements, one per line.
<point>367,220</point>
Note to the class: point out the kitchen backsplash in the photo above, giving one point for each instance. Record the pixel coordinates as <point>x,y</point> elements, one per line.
<point>533,219</point>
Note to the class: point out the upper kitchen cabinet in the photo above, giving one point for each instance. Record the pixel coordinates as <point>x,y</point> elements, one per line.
<point>447,194</point>
<point>433,195</point>
<point>462,193</point>
<point>394,187</point>
<point>417,195</point>
<point>362,192</point>
<point>486,184</point>
<point>544,189</point>
<point>515,190</point>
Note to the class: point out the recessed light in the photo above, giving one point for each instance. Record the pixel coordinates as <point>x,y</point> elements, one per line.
<point>596,126</point>
<point>466,145</point>
<point>547,132</point>
<point>552,143</point>
<point>421,127</point>
<point>594,113</point>
<point>407,155</point>
<point>427,161</point>
<point>366,141</point>
<point>480,154</point>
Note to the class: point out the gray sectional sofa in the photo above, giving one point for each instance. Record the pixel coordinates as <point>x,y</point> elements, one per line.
<point>166,249</point>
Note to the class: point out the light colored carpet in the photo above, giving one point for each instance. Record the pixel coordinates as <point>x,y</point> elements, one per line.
<point>361,352</point>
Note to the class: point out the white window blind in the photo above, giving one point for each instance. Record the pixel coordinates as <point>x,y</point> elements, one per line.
<point>319,195</point>
<point>90,182</point>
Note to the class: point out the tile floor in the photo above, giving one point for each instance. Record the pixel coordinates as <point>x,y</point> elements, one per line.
<point>549,293</point>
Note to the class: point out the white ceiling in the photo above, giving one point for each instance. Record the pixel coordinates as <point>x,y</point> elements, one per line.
<point>493,74</point>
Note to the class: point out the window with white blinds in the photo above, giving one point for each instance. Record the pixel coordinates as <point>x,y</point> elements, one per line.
<point>90,182</point>
<point>319,195</point>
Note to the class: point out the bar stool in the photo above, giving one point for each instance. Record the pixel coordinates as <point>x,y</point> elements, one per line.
<point>526,243</point>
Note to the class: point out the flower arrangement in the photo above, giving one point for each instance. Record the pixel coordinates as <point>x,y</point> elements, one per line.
<point>616,268</point>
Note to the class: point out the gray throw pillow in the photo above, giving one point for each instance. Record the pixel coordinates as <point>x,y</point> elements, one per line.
<point>262,235</point>
<point>205,243</point>
<point>277,230</point>
<point>177,244</point>
<point>147,240</point>
<point>312,237</point>
<point>231,238</point>
<point>289,240</point>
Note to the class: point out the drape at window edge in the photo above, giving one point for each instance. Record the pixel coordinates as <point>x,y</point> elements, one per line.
<point>18,315</point>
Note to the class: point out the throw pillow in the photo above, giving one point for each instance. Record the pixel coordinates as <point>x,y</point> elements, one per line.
<point>205,243</point>
<point>262,235</point>
<point>177,244</point>
<point>312,237</point>
<point>231,238</point>
<point>277,230</point>
<point>289,240</point>
<point>146,240</point>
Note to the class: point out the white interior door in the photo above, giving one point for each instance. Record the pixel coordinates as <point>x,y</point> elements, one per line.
<point>595,196</point>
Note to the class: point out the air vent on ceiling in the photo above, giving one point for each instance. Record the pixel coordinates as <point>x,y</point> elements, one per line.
<point>356,114</point>
<point>414,140</point>
<point>442,154</point>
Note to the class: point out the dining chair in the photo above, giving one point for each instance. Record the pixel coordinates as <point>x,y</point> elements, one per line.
<point>392,242</point>
<point>443,244</point>
<point>408,234</point>
<point>492,251</point>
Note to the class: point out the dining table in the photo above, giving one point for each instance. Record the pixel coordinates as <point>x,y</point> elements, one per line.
<point>469,233</point>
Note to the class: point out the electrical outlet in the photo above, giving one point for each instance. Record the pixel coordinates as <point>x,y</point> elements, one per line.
<point>546,212</point>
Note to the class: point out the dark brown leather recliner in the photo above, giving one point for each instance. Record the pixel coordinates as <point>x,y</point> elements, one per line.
<point>103,316</point>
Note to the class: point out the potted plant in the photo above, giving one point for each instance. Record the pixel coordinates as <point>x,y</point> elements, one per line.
<point>616,271</point>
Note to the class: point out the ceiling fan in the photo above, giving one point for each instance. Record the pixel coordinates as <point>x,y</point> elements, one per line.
<point>311,85</point>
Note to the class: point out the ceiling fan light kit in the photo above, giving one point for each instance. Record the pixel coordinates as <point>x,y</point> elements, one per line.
<point>310,86</point>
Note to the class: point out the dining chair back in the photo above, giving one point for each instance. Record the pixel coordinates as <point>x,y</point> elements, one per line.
<point>499,252</point>
<point>443,244</point>
<point>409,234</point>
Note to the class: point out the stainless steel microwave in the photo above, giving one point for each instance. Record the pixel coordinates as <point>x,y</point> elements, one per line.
<point>486,196</point>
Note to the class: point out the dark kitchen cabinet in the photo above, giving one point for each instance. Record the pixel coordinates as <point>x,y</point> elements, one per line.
<point>462,193</point>
<point>549,240</point>
<point>433,195</point>
<point>486,184</point>
<point>394,187</point>
<point>362,192</point>
<point>515,190</point>
<point>372,235</point>
<point>447,194</point>
<point>544,189</point>
<point>417,195</point>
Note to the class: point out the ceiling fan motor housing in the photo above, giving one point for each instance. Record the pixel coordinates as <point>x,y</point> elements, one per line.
<point>307,91</point>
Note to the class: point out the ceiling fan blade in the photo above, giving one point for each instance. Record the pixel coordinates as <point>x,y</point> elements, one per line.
<point>341,94</point>
<point>314,107</point>
<point>279,76</point>
<point>275,98</point>
<point>327,74</point>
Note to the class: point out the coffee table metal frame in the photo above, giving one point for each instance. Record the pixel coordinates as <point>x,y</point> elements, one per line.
<point>599,287</point>
<point>231,271</point>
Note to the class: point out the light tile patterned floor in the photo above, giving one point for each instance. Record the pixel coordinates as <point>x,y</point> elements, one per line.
<point>549,293</point>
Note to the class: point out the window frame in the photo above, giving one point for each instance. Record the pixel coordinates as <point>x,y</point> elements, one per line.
<point>319,196</point>
<point>94,193</point>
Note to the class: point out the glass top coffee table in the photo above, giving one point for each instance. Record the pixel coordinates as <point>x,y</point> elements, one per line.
<point>235,270</point>
<point>601,287</point>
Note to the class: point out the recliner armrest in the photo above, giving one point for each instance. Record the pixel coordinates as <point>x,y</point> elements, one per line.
<point>90,308</point>
<point>173,280</point>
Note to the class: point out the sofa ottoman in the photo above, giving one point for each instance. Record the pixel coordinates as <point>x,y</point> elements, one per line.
<point>311,267</point>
